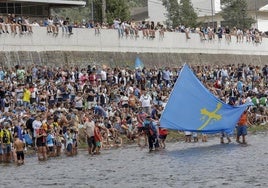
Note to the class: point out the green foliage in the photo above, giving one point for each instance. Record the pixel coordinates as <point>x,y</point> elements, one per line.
<point>234,13</point>
<point>75,14</point>
<point>188,16</point>
<point>137,3</point>
<point>97,10</point>
<point>114,9</point>
<point>258,128</point>
<point>182,13</point>
<point>117,9</point>
<point>173,14</point>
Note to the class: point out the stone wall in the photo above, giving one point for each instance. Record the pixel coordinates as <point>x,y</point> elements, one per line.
<point>113,59</point>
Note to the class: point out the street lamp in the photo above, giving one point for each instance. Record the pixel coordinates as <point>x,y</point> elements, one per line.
<point>212,13</point>
<point>92,10</point>
<point>243,14</point>
<point>256,14</point>
<point>104,18</point>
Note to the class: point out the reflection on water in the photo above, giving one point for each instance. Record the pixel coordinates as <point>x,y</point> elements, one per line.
<point>180,165</point>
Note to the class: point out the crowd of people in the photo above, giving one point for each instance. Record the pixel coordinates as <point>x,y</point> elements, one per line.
<point>127,28</point>
<point>52,110</point>
<point>252,35</point>
<point>13,24</point>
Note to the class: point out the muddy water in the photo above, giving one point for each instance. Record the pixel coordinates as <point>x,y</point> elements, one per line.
<point>181,165</point>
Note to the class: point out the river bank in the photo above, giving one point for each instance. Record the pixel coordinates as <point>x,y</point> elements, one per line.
<point>178,136</point>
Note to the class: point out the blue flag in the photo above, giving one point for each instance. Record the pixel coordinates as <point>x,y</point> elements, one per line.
<point>138,63</point>
<point>192,107</point>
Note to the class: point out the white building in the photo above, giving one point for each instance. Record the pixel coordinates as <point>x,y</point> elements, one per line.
<point>206,7</point>
<point>208,11</point>
<point>203,8</point>
<point>156,11</point>
<point>36,8</point>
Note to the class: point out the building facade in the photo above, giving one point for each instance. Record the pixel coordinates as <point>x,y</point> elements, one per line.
<point>208,12</point>
<point>156,11</point>
<point>34,8</point>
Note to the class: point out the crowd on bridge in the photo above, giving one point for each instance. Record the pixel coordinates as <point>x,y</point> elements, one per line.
<point>54,109</point>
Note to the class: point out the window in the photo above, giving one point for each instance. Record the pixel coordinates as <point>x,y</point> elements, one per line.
<point>39,10</point>
<point>10,8</point>
<point>25,9</point>
<point>17,8</point>
<point>3,8</point>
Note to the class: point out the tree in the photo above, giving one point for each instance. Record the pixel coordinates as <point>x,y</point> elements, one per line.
<point>173,14</point>
<point>117,9</point>
<point>234,14</point>
<point>137,3</point>
<point>188,16</point>
<point>182,13</point>
<point>76,14</point>
<point>114,9</point>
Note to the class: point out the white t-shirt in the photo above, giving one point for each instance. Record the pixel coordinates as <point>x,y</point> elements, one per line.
<point>187,133</point>
<point>89,126</point>
<point>145,100</point>
<point>50,22</point>
<point>124,100</point>
<point>116,24</point>
<point>103,75</point>
<point>78,102</point>
<point>36,125</point>
<point>34,93</point>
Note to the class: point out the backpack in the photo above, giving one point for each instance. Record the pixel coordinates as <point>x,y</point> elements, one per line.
<point>6,136</point>
<point>152,129</point>
<point>149,129</point>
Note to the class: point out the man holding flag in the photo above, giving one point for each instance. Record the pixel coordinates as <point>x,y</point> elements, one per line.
<point>206,114</point>
<point>242,128</point>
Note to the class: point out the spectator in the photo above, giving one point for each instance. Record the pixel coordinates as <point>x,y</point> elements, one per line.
<point>35,24</point>
<point>69,26</point>
<point>3,26</point>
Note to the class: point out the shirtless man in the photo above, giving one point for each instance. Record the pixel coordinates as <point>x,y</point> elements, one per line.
<point>19,146</point>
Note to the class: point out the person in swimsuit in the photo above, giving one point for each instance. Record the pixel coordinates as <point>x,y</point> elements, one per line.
<point>19,146</point>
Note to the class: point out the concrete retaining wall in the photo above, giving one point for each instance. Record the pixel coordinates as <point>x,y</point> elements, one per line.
<point>85,47</point>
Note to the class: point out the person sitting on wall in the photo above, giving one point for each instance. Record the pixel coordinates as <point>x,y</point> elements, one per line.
<point>67,25</point>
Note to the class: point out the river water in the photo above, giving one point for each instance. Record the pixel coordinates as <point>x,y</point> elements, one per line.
<point>181,165</point>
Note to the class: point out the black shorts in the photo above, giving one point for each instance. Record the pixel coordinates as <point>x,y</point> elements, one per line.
<point>32,100</point>
<point>75,142</point>
<point>91,141</point>
<point>50,148</point>
<point>140,129</point>
<point>162,137</point>
<point>20,155</point>
<point>38,144</point>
